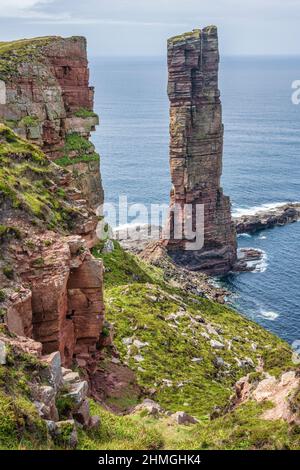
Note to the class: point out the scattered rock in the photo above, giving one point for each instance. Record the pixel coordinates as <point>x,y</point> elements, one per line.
<point>95,422</point>
<point>3,353</point>
<point>152,408</point>
<point>183,418</point>
<point>108,247</point>
<point>216,344</point>
<point>138,358</point>
<point>71,377</point>
<point>197,360</point>
<point>82,415</point>
<point>78,392</point>
<point>127,341</point>
<point>219,362</point>
<point>53,370</point>
<point>115,360</point>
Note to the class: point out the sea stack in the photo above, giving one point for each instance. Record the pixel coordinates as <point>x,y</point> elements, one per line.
<point>196,149</point>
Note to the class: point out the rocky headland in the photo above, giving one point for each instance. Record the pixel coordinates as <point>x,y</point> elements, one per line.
<point>263,219</point>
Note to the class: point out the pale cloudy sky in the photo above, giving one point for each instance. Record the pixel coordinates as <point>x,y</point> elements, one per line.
<point>141,27</point>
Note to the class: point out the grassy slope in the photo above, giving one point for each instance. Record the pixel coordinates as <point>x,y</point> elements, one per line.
<point>137,297</point>
<point>20,425</point>
<point>28,181</point>
<point>139,304</point>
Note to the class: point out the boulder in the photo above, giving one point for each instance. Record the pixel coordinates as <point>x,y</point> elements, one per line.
<point>183,418</point>
<point>216,344</point>
<point>53,370</point>
<point>82,415</point>
<point>78,393</point>
<point>151,407</point>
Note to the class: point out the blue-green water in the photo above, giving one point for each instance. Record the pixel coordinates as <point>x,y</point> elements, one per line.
<point>261,161</point>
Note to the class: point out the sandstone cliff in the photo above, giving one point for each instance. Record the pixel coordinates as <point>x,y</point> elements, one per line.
<point>51,286</point>
<point>48,101</point>
<point>196,148</point>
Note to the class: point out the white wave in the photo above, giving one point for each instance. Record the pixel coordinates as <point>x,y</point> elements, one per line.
<point>268,314</point>
<point>244,235</point>
<point>262,237</point>
<point>259,266</point>
<point>255,209</point>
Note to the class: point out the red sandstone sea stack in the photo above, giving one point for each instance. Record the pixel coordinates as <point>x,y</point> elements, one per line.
<point>196,148</point>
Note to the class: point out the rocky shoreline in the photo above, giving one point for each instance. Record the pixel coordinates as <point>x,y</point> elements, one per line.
<point>266,219</point>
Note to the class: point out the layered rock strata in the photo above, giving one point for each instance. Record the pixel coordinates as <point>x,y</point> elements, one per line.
<point>196,148</point>
<point>51,287</point>
<point>48,101</point>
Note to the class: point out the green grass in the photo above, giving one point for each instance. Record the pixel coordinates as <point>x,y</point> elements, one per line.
<point>15,53</point>
<point>29,121</point>
<point>139,304</point>
<point>77,149</point>
<point>26,179</point>
<point>20,424</point>
<point>67,161</point>
<point>75,142</point>
<point>85,113</point>
<point>120,433</point>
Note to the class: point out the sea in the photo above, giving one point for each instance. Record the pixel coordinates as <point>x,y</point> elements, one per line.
<point>261,163</point>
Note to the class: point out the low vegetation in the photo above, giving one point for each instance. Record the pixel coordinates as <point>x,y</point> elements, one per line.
<point>194,350</point>
<point>27,179</point>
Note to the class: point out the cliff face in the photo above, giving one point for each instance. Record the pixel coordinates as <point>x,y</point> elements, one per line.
<point>51,286</point>
<point>196,147</point>
<point>49,102</point>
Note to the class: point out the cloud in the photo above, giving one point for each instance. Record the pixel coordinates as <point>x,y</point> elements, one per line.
<point>23,8</point>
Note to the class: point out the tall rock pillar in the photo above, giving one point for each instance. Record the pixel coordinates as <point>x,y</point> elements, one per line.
<point>196,148</point>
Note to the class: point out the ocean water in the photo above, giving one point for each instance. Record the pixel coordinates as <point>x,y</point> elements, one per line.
<point>261,164</point>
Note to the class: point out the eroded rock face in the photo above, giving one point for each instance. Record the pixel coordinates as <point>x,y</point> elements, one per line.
<point>196,148</point>
<point>63,308</point>
<point>51,286</point>
<point>49,101</point>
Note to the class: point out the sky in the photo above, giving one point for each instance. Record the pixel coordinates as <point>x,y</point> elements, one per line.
<point>141,27</point>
